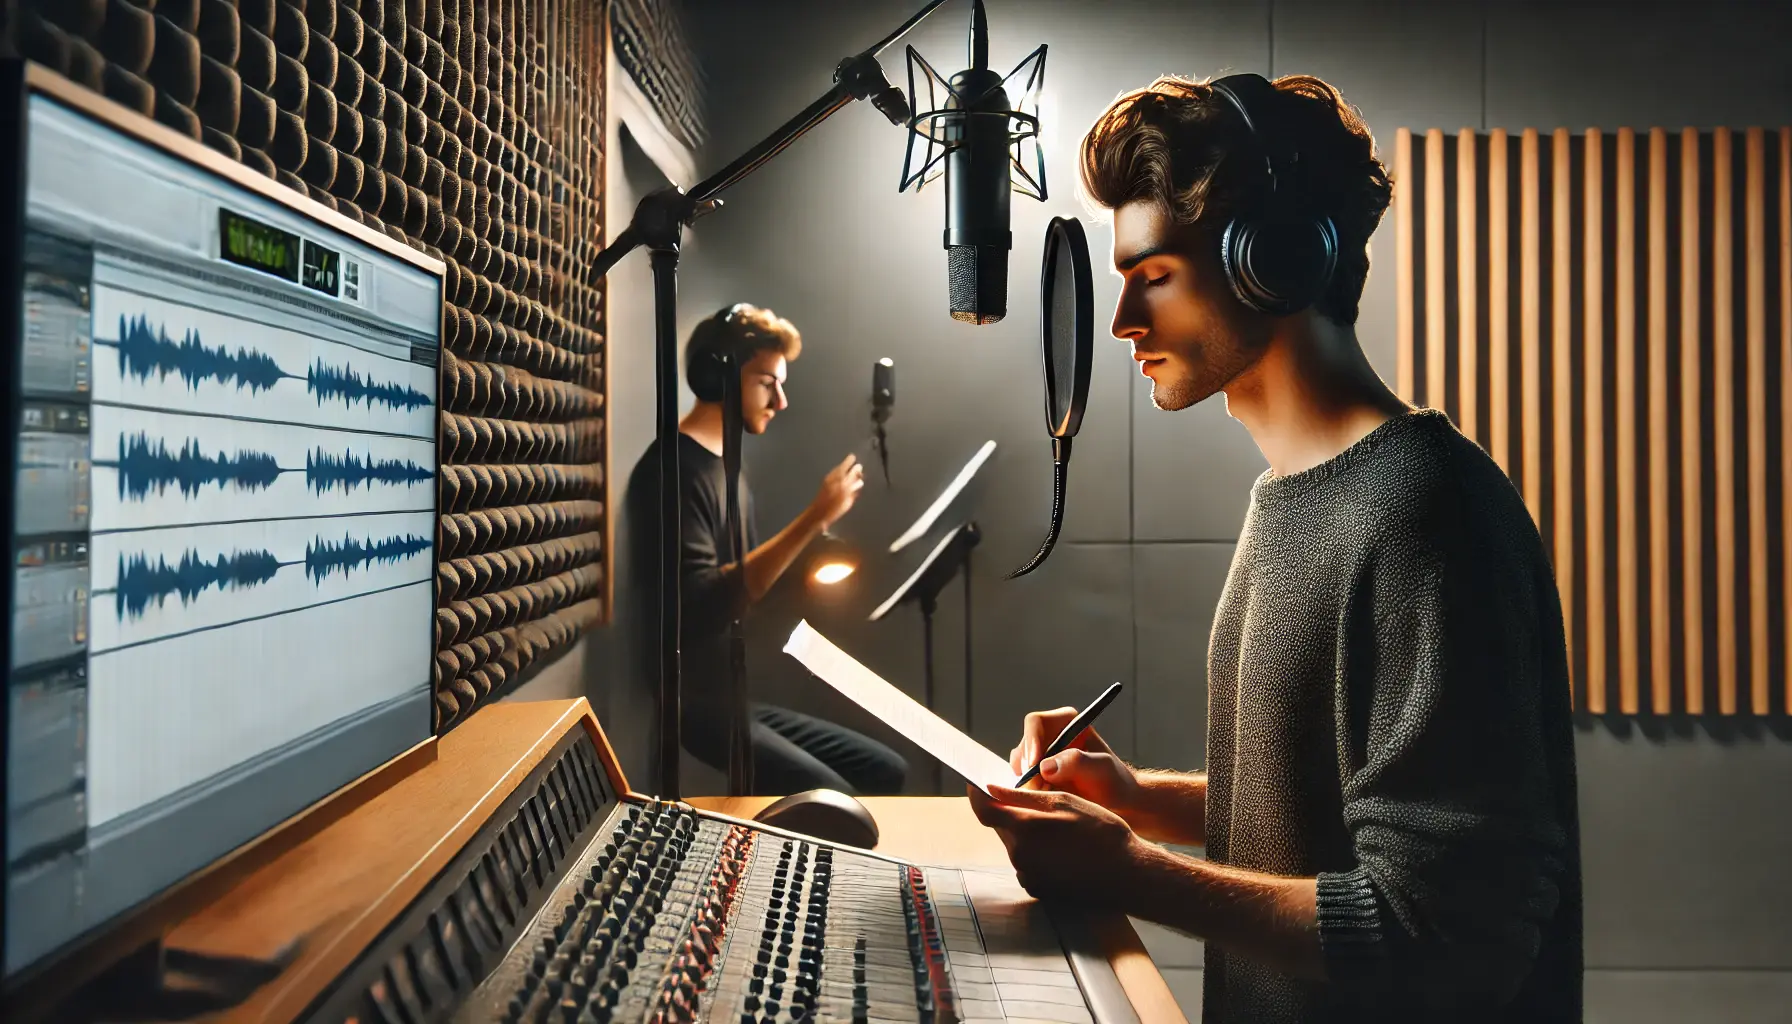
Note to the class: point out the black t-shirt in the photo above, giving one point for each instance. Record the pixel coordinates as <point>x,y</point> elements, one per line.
<point>709,599</point>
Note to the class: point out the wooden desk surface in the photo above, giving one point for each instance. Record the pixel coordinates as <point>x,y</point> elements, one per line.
<point>942,830</point>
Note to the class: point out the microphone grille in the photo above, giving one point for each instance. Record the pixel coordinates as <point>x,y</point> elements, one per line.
<point>978,278</point>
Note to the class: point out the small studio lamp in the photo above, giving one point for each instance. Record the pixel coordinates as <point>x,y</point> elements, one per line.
<point>833,561</point>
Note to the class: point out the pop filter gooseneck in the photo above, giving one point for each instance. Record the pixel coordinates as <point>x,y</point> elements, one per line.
<point>1067,337</point>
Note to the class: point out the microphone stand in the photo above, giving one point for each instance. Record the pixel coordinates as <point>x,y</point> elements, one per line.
<point>740,735</point>
<point>926,593</point>
<point>659,223</point>
<point>929,601</point>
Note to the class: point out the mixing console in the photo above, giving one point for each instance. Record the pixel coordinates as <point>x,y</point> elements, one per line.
<point>672,915</point>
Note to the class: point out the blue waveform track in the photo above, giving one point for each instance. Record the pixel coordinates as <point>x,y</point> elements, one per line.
<point>144,465</point>
<point>326,557</point>
<point>328,382</point>
<point>145,349</point>
<point>141,583</point>
<point>324,470</point>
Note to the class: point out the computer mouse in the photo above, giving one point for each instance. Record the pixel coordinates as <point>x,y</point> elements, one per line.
<point>826,814</point>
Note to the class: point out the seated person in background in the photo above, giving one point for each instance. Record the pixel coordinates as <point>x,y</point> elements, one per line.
<point>792,752</point>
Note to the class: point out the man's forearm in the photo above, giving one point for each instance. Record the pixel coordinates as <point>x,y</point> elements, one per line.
<point>1268,918</point>
<point>770,560</point>
<point>1173,807</point>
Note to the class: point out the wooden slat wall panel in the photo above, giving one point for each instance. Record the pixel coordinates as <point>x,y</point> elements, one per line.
<point>1692,386</point>
<point>1499,297</point>
<point>1626,426</point>
<point>1660,580</point>
<point>1756,340</point>
<point>1645,277</point>
<point>1403,258</point>
<point>1785,292</point>
<point>1723,340</point>
<point>1436,324</point>
<point>1530,337</point>
<point>1562,367</point>
<point>1593,417</point>
<point>1468,329</point>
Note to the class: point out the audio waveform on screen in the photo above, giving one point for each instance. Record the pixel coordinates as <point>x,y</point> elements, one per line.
<point>145,465</point>
<point>326,556</point>
<point>325,470</point>
<point>146,350</point>
<point>142,583</point>
<point>328,382</point>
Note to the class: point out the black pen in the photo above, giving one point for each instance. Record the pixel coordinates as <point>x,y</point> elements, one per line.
<point>1082,721</point>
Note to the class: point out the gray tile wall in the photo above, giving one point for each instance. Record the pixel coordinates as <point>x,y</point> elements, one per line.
<point>1685,837</point>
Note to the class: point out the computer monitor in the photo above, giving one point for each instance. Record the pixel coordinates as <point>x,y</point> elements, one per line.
<point>220,504</point>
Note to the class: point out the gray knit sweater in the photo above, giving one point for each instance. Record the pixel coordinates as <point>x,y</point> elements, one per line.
<point>1389,711</point>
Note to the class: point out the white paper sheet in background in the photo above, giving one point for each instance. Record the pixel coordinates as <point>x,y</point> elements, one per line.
<point>890,602</point>
<point>976,763</point>
<point>919,527</point>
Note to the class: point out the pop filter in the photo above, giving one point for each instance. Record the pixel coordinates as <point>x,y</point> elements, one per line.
<point>1067,338</point>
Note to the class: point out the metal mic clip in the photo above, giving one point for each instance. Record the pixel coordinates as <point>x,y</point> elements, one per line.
<point>864,77</point>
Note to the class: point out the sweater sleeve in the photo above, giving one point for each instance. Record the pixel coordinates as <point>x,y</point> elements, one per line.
<point>1447,796</point>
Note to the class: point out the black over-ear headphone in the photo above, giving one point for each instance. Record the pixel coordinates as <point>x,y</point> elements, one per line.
<point>1276,260</point>
<point>706,370</point>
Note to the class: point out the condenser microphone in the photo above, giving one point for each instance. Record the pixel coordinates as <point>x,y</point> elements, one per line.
<point>977,214</point>
<point>978,130</point>
<point>883,403</point>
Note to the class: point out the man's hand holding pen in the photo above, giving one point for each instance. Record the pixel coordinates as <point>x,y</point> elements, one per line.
<point>1067,832</point>
<point>1088,768</point>
<point>1063,847</point>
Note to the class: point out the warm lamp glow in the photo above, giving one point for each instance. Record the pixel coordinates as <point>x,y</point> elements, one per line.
<point>830,573</point>
<point>832,560</point>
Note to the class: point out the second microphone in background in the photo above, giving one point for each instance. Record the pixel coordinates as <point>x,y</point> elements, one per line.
<point>883,403</point>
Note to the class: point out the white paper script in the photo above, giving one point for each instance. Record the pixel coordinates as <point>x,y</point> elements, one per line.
<point>970,759</point>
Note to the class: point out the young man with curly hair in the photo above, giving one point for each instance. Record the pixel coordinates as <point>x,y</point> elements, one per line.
<point>1388,807</point>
